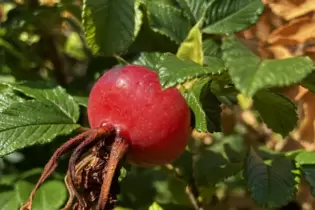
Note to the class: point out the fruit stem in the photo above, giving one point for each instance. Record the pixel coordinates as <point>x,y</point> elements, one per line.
<point>119,149</point>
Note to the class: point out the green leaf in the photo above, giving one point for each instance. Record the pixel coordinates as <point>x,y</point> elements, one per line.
<point>6,201</point>
<point>208,174</point>
<point>155,206</point>
<point>277,111</point>
<point>222,85</point>
<point>305,158</point>
<point>212,62</point>
<point>309,82</point>
<point>7,98</point>
<point>168,20</point>
<point>173,71</point>
<point>227,16</point>
<point>205,106</point>
<point>111,26</point>
<point>235,148</point>
<point>250,74</point>
<point>223,159</point>
<point>32,122</point>
<point>51,195</point>
<point>270,185</point>
<point>74,46</point>
<point>309,174</point>
<point>57,96</point>
<point>15,52</point>
<point>193,8</point>
<point>211,48</point>
<point>191,47</point>
<point>14,199</point>
<point>121,208</point>
<point>150,59</point>
<point>81,100</point>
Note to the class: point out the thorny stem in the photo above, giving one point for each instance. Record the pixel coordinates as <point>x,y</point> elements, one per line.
<point>119,149</point>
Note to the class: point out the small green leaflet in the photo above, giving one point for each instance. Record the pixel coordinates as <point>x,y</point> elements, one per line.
<point>150,59</point>
<point>309,174</point>
<point>309,82</point>
<point>277,111</point>
<point>15,198</point>
<point>155,206</point>
<point>249,73</point>
<point>111,26</point>
<point>168,20</point>
<point>50,196</point>
<point>305,158</point>
<point>270,185</point>
<point>74,46</point>
<point>81,100</point>
<point>205,106</point>
<point>191,47</point>
<point>174,71</point>
<point>227,16</point>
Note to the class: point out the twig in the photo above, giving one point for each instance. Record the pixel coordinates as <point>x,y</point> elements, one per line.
<point>120,59</point>
<point>191,188</point>
<point>58,60</point>
<point>193,194</point>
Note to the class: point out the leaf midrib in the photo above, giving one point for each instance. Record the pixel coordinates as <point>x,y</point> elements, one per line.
<point>22,126</point>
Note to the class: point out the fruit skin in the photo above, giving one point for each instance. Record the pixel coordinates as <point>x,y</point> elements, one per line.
<point>155,122</point>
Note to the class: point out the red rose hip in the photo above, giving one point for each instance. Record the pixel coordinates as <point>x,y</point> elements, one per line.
<point>154,122</point>
<point>149,125</point>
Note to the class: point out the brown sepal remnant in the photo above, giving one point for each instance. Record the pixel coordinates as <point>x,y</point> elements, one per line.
<point>92,176</point>
<point>90,172</point>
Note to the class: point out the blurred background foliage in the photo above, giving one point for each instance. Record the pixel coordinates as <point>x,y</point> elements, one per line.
<point>44,40</point>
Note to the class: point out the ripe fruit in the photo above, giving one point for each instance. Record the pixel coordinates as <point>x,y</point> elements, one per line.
<point>130,114</point>
<point>154,122</point>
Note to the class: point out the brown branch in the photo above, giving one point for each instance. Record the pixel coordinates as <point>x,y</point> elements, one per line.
<point>193,194</point>
<point>191,188</point>
<point>58,60</point>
